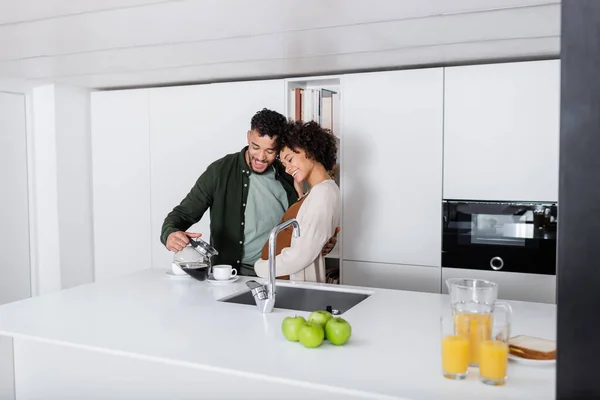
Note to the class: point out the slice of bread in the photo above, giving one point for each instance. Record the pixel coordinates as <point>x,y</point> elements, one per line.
<point>532,348</point>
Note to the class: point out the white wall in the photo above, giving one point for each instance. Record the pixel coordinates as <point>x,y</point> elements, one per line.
<point>74,184</point>
<point>121,183</point>
<point>62,187</point>
<point>15,266</point>
<point>44,196</point>
<point>22,87</point>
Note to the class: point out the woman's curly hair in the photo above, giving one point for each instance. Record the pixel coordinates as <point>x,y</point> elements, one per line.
<point>318,143</point>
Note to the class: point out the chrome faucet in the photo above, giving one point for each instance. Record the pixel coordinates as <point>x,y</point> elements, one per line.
<point>264,295</point>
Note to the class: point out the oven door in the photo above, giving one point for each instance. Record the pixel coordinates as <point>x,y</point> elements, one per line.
<point>512,237</point>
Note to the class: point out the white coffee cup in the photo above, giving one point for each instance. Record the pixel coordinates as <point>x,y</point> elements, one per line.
<point>224,272</point>
<point>177,269</point>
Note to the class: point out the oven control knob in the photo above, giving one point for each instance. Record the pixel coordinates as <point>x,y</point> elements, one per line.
<point>496,263</point>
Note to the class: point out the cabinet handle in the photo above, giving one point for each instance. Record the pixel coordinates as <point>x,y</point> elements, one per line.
<point>496,263</point>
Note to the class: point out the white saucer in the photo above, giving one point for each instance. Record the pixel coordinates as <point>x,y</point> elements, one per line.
<point>171,275</point>
<point>526,361</point>
<point>212,280</point>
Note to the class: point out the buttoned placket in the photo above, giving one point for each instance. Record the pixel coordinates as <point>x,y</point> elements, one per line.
<point>245,189</point>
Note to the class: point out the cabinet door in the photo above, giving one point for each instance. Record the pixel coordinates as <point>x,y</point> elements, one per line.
<point>391,276</point>
<point>190,127</point>
<point>392,167</point>
<point>121,182</point>
<point>511,285</point>
<point>15,270</point>
<point>501,131</point>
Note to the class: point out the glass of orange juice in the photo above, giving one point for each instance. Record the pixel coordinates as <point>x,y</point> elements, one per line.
<point>493,355</point>
<point>455,348</point>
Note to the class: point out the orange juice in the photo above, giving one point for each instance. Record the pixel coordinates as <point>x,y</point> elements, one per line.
<point>477,327</point>
<point>493,359</point>
<point>455,354</point>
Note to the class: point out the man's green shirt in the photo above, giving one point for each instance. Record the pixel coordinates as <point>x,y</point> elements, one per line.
<point>223,188</point>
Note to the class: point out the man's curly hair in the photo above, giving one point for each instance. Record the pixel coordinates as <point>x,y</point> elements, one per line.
<point>318,143</point>
<point>268,122</point>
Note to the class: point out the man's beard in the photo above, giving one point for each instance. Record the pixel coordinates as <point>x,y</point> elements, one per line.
<point>250,162</point>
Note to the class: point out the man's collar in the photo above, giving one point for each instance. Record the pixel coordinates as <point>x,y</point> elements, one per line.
<point>242,157</point>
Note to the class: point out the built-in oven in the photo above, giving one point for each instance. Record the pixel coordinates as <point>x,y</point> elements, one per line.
<point>495,235</point>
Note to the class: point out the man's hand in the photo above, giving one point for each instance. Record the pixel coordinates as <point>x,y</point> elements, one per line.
<point>176,241</point>
<point>331,243</point>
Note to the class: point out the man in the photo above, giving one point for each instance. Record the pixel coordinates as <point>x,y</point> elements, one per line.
<point>247,193</point>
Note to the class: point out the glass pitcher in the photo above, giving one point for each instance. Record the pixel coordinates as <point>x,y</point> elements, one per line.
<point>198,252</point>
<point>474,305</point>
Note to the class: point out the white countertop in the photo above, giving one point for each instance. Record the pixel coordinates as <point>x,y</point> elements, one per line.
<point>394,351</point>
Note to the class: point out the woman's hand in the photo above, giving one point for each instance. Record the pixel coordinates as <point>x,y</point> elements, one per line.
<point>331,243</point>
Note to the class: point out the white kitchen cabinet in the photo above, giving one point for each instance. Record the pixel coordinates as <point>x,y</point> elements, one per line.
<point>511,285</point>
<point>501,131</point>
<point>191,127</point>
<point>15,269</point>
<point>391,276</point>
<point>392,167</point>
<point>121,182</point>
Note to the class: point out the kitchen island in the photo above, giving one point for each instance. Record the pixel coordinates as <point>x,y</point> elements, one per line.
<point>148,336</point>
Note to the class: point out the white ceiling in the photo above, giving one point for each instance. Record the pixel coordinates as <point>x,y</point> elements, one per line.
<point>118,43</point>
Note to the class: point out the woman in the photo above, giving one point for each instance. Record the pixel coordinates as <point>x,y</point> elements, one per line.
<point>307,152</point>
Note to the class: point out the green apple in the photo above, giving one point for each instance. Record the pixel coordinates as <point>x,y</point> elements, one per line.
<point>290,326</point>
<point>311,335</point>
<point>320,317</point>
<point>338,331</point>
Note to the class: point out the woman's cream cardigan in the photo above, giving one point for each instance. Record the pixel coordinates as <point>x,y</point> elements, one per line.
<point>318,217</point>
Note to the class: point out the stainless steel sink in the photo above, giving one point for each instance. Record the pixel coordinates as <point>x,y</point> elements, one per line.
<point>305,299</point>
